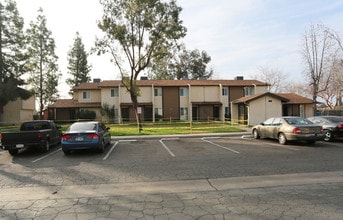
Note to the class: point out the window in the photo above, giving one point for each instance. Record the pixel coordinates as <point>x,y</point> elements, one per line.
<point>183,91</point>
<point>225,91</point>
<point>183,113</point>
<point>114,92</point>
<point>248,91</point>
<point>86,95</point>
<point>158,92</point>
<point>268,122</point>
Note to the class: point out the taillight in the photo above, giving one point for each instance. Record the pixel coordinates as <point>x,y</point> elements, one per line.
<point>93,136</point>
<point>339,127</point>
<point>296,131</point>
<point>0,136</point>
<point>66,137</point>
<point>39,134</point>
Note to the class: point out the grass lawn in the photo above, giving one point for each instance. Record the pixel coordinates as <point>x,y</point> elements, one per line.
<point>172,128</point>
<point>160,128</point>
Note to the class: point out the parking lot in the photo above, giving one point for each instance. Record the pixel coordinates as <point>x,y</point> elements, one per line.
<point>188,177</point>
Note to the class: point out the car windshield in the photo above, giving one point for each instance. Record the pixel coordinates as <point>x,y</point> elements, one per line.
<point>334,119</point>
<point>82,127</point>
<point>298,121</point>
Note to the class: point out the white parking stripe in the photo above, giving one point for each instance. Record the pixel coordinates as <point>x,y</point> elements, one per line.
<point>48,155</point>
<point>110,151</point>
<point>226,148</point>
<point>165,146</point>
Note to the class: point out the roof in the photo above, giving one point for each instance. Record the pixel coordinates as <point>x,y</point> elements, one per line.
<point>295,99</point>
<point>250,98</point>
<point>115,83</point>
<point>287,98</point>
<point>71,103</point>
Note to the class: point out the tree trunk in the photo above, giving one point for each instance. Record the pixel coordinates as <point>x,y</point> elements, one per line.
<point>135,107</point>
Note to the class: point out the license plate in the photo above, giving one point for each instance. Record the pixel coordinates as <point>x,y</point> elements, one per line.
<point>79,139</point>
<point>305,130</point>
<point>19,145</point>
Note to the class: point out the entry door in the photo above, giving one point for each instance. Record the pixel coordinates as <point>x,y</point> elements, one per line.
<point>194,113</point>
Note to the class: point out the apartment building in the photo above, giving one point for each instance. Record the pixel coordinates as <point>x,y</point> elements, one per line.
<point>189,100</point>
<point>18,111</point>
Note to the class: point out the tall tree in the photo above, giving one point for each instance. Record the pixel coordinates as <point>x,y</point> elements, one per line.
<point>181,64</point>
<point>319,54</point>
<point>192,64</point>
<point>138,30</point>
<point>12,54</point>
<point>77,63</point>
<point>338,68</point>
<point>43,62</point>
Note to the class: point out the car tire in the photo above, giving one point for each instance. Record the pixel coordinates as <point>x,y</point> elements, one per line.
<point>13,152</point>
<point>66,152</point>
<point>102,147</point>
<point>256,134</point>
<point>328,136</point>
<point>311,142</point>
<point>282,139</point>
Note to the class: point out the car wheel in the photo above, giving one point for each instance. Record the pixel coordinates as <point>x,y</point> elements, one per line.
<point>256,134</point>
<point>13,151</point>
<point>66,152</point>
<point>46,147</point>
<point>328,136</point>
<point>311,142</point>
<point>282,138</point>
<point>102,147</point>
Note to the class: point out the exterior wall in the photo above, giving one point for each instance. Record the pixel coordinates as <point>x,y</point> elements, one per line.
<point>205,93</point>
<point>235,93</point>
<point>146,95</point>
<point>263,108</point>
<point>19,111</point>
<point>95,96</point>
<point>106,97</point>
<point>171,102</point>
<point>308,110</point>
<point>260,89</point>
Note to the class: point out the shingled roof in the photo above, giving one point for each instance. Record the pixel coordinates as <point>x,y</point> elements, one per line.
<point>287,98</point>
<point>68,103</point>
<point>115,83</point>
<point>295,99</point>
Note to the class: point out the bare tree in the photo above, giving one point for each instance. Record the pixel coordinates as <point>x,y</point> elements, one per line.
<point>319,52</point>
<point>274,77</point>
<point>338,68</point>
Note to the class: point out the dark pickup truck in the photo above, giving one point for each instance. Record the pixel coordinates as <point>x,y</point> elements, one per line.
<point>39,134</point>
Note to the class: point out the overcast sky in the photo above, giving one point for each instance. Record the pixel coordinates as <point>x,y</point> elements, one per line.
<point>240,36</point>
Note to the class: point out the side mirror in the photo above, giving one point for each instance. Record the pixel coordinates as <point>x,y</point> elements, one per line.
<point>261,123</point>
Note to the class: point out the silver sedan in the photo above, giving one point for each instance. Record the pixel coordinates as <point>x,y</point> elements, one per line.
<point>286,129</point>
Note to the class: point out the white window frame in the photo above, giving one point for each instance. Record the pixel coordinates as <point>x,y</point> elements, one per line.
<point>183,91</point>
<point>248,91</point>
<point>225,91</point>
<point>115,92</point>
<point>86,95</point>
<point>157,91</point>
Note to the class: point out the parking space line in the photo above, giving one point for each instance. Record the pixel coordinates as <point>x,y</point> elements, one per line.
<point>226,148</point>
<point>45,156</point>
<point>110,151</point>
<point>165,146</point>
